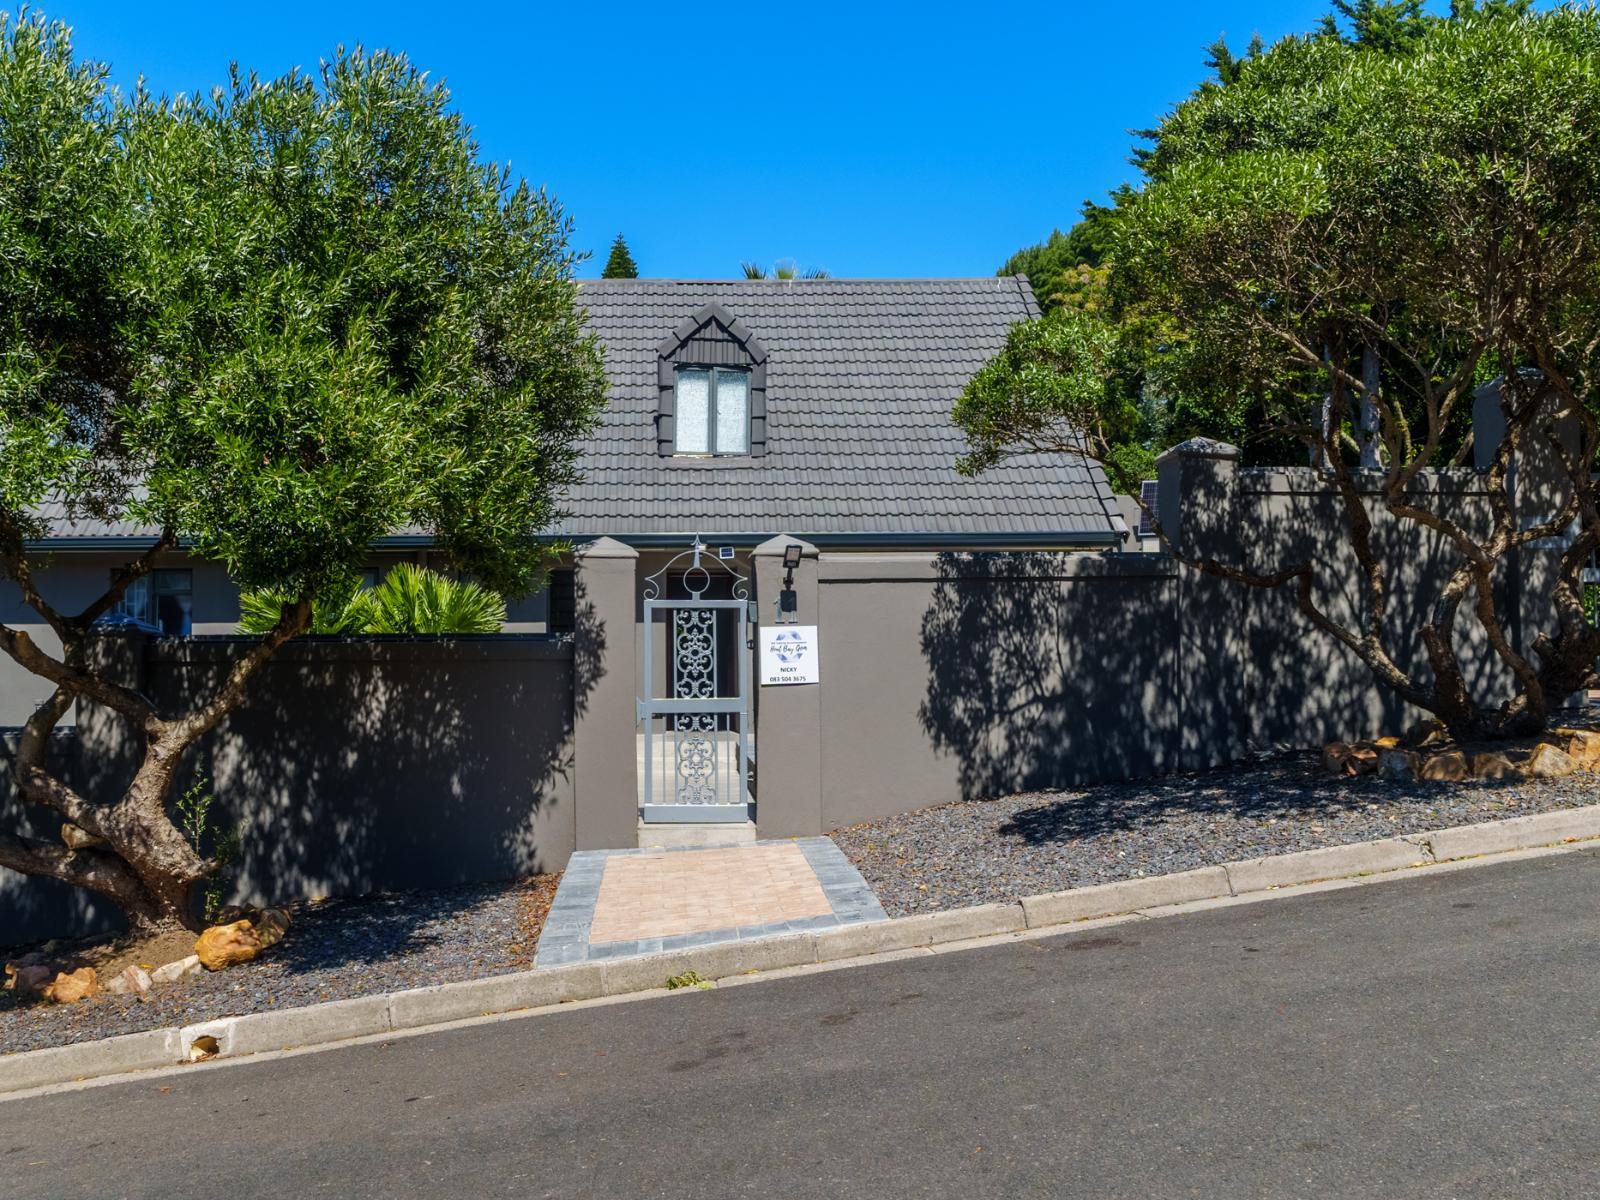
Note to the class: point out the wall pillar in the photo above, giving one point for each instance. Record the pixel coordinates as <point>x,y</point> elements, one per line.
<point>605,696</point>
<point>788,718</point>
<point>1197,503</point>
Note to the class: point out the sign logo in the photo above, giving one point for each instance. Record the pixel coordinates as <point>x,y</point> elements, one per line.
<point>789,646</point>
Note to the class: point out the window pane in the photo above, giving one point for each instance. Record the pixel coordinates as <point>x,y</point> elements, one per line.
<point>174,605</point>
<point>733,412</point>
<point>693,413</point>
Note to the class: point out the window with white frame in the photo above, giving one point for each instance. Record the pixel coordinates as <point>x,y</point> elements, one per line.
<point>712,411</point>
<point>162,599</point>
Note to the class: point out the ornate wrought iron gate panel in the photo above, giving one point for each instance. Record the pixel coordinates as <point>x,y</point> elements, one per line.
<point>696,739</point>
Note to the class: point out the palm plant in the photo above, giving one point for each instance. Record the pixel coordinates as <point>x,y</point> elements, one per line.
<point>409,600</point>
<point>416,600</point>
<point>784,268</point>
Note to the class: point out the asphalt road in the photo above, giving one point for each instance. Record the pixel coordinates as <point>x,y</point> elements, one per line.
<point>1433,1038</point>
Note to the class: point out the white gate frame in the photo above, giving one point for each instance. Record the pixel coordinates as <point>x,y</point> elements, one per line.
<point>699,707</point>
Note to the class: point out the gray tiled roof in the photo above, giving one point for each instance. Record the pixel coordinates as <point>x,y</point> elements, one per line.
<point>861,378</point>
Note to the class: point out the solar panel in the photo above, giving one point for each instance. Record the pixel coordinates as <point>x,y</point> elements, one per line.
<point>1147,493</point>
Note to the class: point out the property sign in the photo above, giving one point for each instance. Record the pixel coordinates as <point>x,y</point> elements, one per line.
<point>789,654</point>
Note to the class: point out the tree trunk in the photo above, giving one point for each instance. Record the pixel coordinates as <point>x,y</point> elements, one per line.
<point>1367,414</point>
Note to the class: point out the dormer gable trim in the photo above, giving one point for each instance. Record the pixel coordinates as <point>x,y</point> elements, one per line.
<point>712,314</point>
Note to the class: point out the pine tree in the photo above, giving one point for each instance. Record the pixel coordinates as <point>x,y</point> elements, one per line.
<point>620,265</point>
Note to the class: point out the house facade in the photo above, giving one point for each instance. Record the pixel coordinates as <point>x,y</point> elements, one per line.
<point>761,440</point>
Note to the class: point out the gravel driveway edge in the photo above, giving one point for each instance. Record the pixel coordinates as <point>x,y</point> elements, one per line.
<point>418,1008</point>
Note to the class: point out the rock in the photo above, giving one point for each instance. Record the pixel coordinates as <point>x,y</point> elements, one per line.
<point>27,978</point>
<point>227,945</point>
<point>1389,742</point>
<point>1363,760</point>
<point>1336,759</point>
<point>1397,766</point>
<point>1581,745</point>
<point>174,971</point>
<point>1449,767</point>
<point>270,924</point>
<point>1427,732</point>
<point>130,981</point>
<point>70,987</point>
<point>80,839</point>
<point>1549,762</point>
<point>1494,765</point>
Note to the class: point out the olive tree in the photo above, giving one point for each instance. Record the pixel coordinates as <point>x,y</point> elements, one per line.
<point>268,325</point>
<point>1357,237</point>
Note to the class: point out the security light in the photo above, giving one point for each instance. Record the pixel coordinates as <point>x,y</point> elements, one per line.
<point>791,556</point>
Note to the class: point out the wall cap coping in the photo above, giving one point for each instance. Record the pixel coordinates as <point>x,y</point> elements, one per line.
<point>605,547</point>
<point>773,547</point>
<point>1200,447</point>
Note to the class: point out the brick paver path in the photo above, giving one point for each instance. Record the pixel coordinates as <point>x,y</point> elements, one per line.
<point>693,891</point>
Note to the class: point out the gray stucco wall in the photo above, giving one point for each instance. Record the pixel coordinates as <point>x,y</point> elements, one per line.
<point>973,674</point>
<point>964,675</point>
<point>354,766</point>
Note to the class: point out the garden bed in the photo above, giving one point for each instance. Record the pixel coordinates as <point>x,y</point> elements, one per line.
<point>334,950</point>
<point>975,852</point>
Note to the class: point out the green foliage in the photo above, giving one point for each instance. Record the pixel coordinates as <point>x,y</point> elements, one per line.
<point>221,845</point>
<point>59,243</point>
<point>1298,211</point>
<point>340,609</point>
<point>409,600</point>
<point>1069,269</point>
<point>688,979</point>
<point>620,264</point>
<point>784,268</point>
<point>282,320</point>
<point>1060,384</point>
<point>414,599</point>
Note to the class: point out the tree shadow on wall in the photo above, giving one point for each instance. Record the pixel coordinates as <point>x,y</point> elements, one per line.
<point>381,764</point>
<point>1038,677</point>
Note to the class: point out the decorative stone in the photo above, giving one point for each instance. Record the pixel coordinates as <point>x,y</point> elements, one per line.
<point>174,971</point>
<point>1581,745</point>
<point>1336,759</point>
<point>1494,765</point>
<point>75,838</point>
<point>1388,742</point>
<point>270,924</point>
<point>1425,732</point>
<point>1549,762</point>
<point>227,945</point>
<point>1364,760</point>
<point>28,978</point>
<point>1397,766</point>
<point>130,981</point>
<point>71,986</point>
<point>1449,767</point>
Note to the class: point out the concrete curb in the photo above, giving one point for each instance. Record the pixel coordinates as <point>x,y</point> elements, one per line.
<point>546,987</point>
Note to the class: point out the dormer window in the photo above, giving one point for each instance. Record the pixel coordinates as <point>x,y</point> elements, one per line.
<point>712,405</point>
<point>713,411</point>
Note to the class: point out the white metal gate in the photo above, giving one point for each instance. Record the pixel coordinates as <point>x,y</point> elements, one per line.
<point>696,732</point>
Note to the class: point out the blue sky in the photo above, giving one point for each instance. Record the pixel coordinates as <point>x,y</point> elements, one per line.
<point>870,139</point>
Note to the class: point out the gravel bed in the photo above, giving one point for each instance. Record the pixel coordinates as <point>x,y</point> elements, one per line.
<point>335,949</point>
<point>974,852</point>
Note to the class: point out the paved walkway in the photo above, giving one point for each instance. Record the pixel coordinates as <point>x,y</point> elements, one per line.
<point>614,903</point>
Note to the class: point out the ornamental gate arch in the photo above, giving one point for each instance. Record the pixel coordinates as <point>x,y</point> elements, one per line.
<point>696,740</point>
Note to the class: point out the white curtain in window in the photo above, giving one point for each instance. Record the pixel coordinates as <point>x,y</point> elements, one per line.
<point>693,413</point>
<point>733,412</point>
